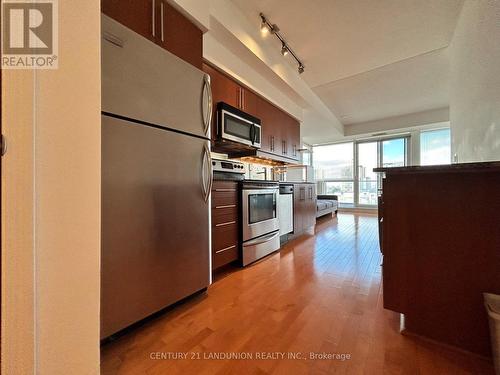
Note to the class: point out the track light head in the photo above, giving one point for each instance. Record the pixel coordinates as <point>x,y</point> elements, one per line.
<point>301,69</point>
<point>284,49</point>
<point>264,29</point>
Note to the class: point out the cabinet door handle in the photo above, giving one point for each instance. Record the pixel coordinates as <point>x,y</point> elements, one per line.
<point>272,143</point>
<point>153,23</point>
<point>161,22</point>
<point>225,189</point>
<point>225,249</point>
<point>242,99</point>
<point>224,224</point>
<point>226,206</point>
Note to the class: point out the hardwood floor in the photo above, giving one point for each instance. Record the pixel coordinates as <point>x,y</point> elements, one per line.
<point>321,293</point>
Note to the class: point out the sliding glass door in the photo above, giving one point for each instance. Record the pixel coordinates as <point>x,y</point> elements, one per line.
<point>346,169</point>
<point>333,169</point>
<point>367,159</point>
<point>394,153</point>
<point>372,154</point>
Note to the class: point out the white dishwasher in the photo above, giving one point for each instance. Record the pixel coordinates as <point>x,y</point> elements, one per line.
<point>285,209</point>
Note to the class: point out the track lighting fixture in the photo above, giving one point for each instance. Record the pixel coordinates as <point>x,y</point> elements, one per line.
<point>263,28</point>
<point>284,50</point>
<point>266,27</point>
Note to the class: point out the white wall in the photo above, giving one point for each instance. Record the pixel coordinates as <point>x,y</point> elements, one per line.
<point>475,82</point>
<point>401,123</point>
<point>51,224</point>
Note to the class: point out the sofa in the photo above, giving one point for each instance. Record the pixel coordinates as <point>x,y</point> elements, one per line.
<point>326,205</point>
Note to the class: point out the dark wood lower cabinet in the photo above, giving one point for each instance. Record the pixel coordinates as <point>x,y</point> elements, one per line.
<point>441,250</point>
<point>225,223</point>
<point>304,207</point>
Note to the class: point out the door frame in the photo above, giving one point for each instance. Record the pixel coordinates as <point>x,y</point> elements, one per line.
<point>380,158</point>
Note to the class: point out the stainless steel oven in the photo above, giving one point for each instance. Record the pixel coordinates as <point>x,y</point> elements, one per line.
<point>238,126</point>
<point>260,223</point>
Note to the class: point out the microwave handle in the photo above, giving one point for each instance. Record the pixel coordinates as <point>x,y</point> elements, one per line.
<point>252,133</point>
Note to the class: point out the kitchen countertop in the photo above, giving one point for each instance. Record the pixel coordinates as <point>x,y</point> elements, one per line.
<point>493,166</point>
<point>296,182</point>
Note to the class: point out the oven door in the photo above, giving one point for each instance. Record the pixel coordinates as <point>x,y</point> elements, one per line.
<point>260,214</point>
<point>238,129</point>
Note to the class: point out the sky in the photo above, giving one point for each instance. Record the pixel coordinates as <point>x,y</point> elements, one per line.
<point>435,147</point>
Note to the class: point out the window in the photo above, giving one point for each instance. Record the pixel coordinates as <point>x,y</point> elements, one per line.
<point>333,169</point>
<point>346,169</point>
<point>394,153</point>
<point>367,179</point>
<point>343,189</point>
<point>306,155</point>
<point>435,147</point>
<point>333,161</point>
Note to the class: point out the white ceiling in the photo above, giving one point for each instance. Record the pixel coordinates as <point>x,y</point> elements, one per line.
<point>408,86</point>
<point>368,59</point>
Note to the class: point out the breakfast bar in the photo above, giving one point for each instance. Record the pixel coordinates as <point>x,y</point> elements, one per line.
<point>440,239</point>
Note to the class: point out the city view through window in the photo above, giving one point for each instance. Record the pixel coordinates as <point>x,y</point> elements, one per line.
<point>335,166</point>
<point>346,169</point>
<point>333,169</point>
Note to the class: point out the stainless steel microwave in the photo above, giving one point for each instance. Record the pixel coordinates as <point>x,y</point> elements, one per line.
<point>238,126</point>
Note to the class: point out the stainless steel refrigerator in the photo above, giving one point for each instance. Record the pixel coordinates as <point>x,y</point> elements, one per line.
<point>156,178</point>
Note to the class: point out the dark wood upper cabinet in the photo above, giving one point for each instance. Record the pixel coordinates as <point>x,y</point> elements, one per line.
<point>249,101</point>
<point>267,115</point>
<point>135,14</point>
<point>224,89</point>
<point>280,131</point>
<point>159,22</point>
<point>180,36</point>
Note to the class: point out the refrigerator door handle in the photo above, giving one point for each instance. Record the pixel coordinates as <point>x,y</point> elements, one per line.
<point>207,104</point>
<point>206,173</point>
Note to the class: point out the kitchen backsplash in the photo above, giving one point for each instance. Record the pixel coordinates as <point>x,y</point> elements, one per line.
<point>253,171</point>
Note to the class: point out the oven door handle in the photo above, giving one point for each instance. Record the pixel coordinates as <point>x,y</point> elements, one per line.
<point>266,238</point>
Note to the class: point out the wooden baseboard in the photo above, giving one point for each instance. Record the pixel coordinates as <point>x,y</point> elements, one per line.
<point>449,347</point>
